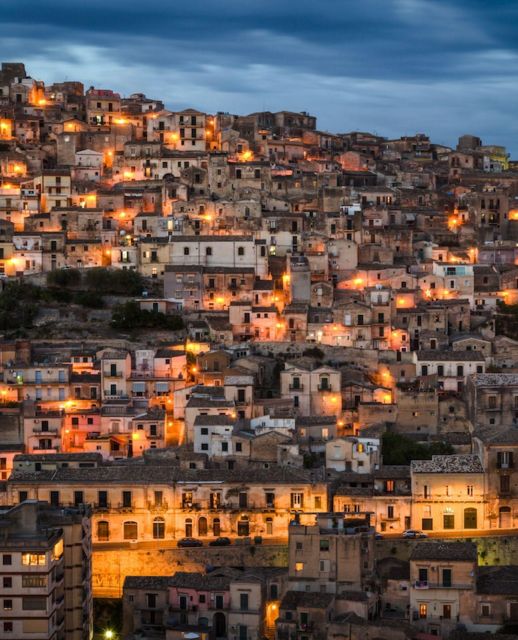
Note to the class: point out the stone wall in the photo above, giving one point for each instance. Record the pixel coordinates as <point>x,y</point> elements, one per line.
<point>492,550</point>
<point>110,567</point>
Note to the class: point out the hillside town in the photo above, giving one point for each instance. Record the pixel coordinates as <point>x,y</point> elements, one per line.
<point>257,380</point>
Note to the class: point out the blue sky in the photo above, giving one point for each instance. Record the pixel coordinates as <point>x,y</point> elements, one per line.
<point>443,67</point>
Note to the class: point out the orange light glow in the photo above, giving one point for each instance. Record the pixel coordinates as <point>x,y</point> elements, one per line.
<point>246,156</point>
<point>121,121</point>
<point>194,369</point>
<point>513,214</point>
<point>42,102</point>
<point>129,175</point>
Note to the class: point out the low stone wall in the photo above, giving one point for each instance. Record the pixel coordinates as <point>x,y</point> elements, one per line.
<point>492,550</point>
<point>110,567</point>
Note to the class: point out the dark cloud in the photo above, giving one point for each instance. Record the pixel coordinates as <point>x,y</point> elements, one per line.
<point>395,66</point>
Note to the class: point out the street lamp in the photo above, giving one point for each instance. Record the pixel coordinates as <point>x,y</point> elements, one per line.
<point>108,634</point>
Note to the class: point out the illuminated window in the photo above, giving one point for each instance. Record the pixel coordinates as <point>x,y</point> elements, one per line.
<point>33,559</point>
<point>423,610</point>
<point>299,566</point>
<point>57,551</point>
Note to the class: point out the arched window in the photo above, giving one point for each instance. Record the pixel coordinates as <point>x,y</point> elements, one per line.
<point>158,528</point>
<point>202,526</point>
<point>188,528</point>
<point>470,518</point>
<point>130,530</point>
<point>103,530</point>
<point>216,527</point>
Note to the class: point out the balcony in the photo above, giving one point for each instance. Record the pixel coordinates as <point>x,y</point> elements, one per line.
<point>44,430</point>
<point>295,387</point>
<point>323,387</point>
<point>106,506</point>
<point>125,508</point>
<point>110,374</point>
<point>157,507</point>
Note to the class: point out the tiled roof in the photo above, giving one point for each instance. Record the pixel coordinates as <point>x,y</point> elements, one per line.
<point>466,463</point>
<point>501,580</point>
<point>445,551</point>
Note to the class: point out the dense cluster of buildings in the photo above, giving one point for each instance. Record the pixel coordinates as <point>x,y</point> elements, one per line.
<point>335,289</point>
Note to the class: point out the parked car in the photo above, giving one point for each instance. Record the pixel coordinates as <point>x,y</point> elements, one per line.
<point>190,542</point>
<point>378,536</point>
<point>220,542</point>
<point>414,533</point>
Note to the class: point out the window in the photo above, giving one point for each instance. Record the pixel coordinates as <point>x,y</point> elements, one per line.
<point>8,605</point>
<point>34,581</point>
<point>33,559</point>
<point>243,601</point>
<point>208,251</point>
<point>448,521</point>
<point>7,559</point>
<point>423,610</point>
<point>318,502</point>
<point>485,610</point>
<point>159,528</point>
<point>7,582</point>
<point>103,530</point>
<point>243,499</point>
<point>299,566</point>
<point>324,545</point>
<point>78,498</point>
<point>505,484</point>
<point>8,627</point>
<point>390,512</point>
<point>504,460</point>
<point>297,500</point>
<point>126,499</point>
<point>34,603</point>
<point>446,577</point>
<point>446,611</point>
<point>469,490</point>
<point>186,251</point>
<point>240,251</point>
<point>130,530</point>
<point>270,499</point>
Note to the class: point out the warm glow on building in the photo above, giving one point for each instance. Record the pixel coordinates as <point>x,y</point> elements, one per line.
<point>246,156</point>
<point>6,129</point>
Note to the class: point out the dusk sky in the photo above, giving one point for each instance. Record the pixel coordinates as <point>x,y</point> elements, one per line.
<point>395,67</point>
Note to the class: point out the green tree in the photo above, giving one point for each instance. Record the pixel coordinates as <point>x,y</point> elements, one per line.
<point>397,449</point>
<point>68,278</point>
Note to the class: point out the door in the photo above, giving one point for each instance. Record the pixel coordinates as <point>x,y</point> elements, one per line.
<point>219,624</point>
<point>504,520</point>
<point>470,518</point>
<point>216,527</point>
<point>202,526</point>
<point>188,528</point>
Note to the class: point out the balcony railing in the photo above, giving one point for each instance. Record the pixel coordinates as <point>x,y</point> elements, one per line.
<point>294,387</point>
